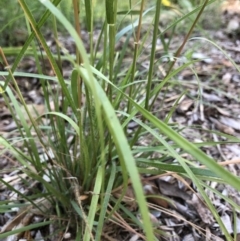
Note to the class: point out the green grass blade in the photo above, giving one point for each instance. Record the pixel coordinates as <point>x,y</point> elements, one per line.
<point>93,206</point>
<point>105,202</point>
<point>124,151</point>
<point>28,42</point>
<point>20,230</point>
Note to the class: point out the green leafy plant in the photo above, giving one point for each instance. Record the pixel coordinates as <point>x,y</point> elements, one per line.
<point>87,150</point>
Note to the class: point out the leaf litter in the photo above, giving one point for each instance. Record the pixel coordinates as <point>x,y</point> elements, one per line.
<point>177,211</point>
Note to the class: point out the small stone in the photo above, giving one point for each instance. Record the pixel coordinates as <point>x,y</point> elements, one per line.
<point>67,236</point>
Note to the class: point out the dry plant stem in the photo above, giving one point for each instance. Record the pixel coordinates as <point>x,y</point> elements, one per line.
<point>52,61</point>
<point>111,9</point>
<point>225,163</point>
<point>136,44</point>
<point>122,223</point>
<point>149,81</point>
<point>176,176</point>
<point>78,56</point>
<point>107,237</point>
<point>187,37</point>
<point>79,61</point>
<point>77,27</point>
<point>78,199</point>
<point>183,44</point>
<point>178,217</point>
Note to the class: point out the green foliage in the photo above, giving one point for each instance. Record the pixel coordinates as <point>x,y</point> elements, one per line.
<point>79,175</point>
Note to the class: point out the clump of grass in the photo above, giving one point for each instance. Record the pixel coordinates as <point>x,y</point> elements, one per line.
<point>88,152</point>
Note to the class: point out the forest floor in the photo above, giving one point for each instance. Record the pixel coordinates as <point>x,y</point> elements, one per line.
<point>209,106</point>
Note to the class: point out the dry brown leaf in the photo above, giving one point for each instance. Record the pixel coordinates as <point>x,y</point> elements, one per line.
<point>12,180</point>
<point>25,214</point>
<point>235,124</point>
<point>223,111</point>
<point>7,126</point>
<point>129,197</point>
<point>226,63</point>
<point>185,105</point>
<point>16,222</point>
<point>184,210</point>
<point>172,189</point>
<point>174,97</point>
<point>151,189</point>
<point>202,209</point>
<point>211,237</point>
<point>223,128</point>
<point>212,97</point>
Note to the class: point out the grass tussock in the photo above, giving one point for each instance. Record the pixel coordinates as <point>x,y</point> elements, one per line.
<point>78,148</point>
